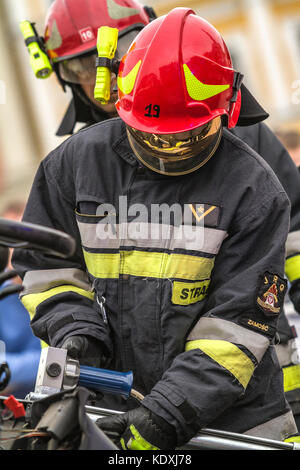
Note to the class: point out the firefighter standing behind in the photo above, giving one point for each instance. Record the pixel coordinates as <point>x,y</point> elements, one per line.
<point>70,42</point>
<point>205,359</point>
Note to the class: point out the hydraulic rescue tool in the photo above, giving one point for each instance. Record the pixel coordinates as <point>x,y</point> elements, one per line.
<point>57,372</point>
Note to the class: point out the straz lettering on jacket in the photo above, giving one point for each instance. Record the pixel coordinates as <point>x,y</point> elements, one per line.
<point>189,293</point>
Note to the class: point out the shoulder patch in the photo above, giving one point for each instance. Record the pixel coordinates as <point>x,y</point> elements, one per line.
<point>271,292</point>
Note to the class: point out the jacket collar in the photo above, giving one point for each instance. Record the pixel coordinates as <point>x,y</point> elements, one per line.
<point>122,147</point>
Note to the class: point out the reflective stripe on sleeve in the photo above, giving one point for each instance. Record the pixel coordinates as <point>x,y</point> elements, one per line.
<point>148,264</point>
<point>292,268</point>
<point>226,355</point>
<point>32,301</point>
<point>279,428</point>
<point>44,279</point>
<point>291,377</point>
<point>219,329</point>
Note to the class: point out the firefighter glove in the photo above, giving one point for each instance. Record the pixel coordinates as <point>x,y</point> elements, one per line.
<point>85,349</point>
<point>139,429</point>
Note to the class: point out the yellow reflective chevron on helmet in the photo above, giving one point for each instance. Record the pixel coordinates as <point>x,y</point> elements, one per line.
<point>200,91</point>
<point>118,12</point>
<point>126,83</point>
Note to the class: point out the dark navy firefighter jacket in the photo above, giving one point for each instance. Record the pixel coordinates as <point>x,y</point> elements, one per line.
<point>194,321</point>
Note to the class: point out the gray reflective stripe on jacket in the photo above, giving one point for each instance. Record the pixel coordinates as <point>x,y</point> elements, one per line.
<point>44,279</point>
<point>274,428</point>
<point>144,235</point>
<point>218,329</point>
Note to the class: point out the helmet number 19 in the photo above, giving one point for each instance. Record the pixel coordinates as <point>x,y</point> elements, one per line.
<point>153,110</point>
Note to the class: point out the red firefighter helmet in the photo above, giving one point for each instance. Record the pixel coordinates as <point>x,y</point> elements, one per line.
<point>175,83</point>
<point>177,76</point>
<point>71,25</point>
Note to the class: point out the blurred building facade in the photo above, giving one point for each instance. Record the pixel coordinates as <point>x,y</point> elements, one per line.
<point>263,37</point>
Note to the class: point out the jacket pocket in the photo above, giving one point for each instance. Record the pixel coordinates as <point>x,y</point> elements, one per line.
<point>97,224</point>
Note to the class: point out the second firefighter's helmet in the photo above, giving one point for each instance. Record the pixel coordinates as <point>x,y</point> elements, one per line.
<point>71,28</point>
<point>175,83</point>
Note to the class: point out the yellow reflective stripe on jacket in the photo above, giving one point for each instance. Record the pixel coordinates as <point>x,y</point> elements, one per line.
<point>228,355</point>
<point>148,264</point>
<point>292,439</point>
<point>32,301</point>
<point>291,377</point>
<point>292,268</point>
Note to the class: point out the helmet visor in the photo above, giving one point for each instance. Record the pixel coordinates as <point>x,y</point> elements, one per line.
<point>82,70</point>
<point>176,154</point>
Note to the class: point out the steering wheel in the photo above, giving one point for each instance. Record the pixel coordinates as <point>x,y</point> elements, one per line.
<point>15,234</point>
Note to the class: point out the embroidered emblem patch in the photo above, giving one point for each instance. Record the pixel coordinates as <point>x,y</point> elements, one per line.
<point>271,293</point>
<point>208,214</point>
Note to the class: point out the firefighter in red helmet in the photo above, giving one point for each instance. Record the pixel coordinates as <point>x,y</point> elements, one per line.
<point>180,301</point>
<point>69,41</point>
<point>177,144</point>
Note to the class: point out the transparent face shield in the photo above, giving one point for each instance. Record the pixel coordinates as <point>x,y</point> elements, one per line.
<point>82,70</point>
<point>176,154</point>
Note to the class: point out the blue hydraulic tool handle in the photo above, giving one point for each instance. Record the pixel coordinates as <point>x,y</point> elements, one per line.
<point>106,381</point>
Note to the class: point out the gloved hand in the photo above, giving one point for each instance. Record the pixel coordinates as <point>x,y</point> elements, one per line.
<point>86,349</point>
<point>294,294</point>
<point>139,429</point>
